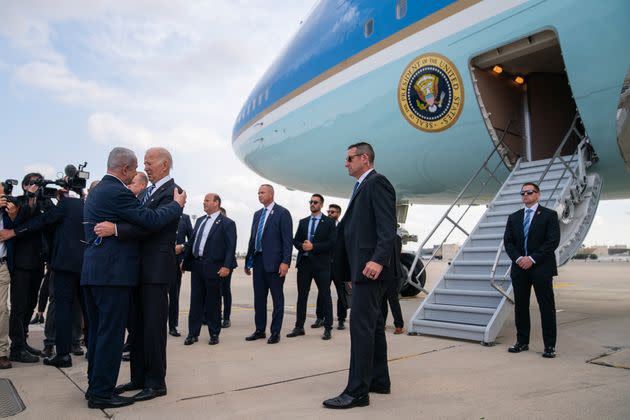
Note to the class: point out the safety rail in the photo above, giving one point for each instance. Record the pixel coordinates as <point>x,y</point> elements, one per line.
<point>415,280</point>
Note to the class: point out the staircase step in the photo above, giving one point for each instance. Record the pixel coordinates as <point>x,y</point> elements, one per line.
<point>518,179</point>
<point>542,162</point>
<point>449,329</point>
<point>539,170</point>
<point>462,297</point>
<point>491,225</point>
<point>459,314</point>
<point>479,262</point>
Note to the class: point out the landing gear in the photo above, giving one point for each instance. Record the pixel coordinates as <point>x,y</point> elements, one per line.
<point>406,289</point>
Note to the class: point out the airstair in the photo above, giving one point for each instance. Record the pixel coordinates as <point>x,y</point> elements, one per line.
<point>473,297</point>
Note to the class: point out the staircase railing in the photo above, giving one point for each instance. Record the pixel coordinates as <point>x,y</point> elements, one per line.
<point>415,280</point>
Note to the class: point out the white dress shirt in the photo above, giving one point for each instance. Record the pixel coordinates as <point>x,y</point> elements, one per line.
<point>203,236</point>
<point>160,183</point>
<point>269,210</point>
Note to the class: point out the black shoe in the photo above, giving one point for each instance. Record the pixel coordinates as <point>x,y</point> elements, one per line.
<point>60,361</point>
<point>23,356</point>
<point>174,332</point>
<point>347,401</point>
<point>191,340</point>
<point>273,339</point>
<point>149,394</point>
<point>115,401</point>
<point>36,319</point>
<point>49,351</point>
<point>255,336</point>
<point>129,386</point>
<point>318,323</point>
<point>214,339</point>
<point>326,335</point>
<point>341,325</point>
<point>380,390</point>
<point>296,332</point>
<point>77,350</point>
<point>32,350</point>
<point>518,347</point>
<point>226,323</point>
<point>126,357</point>
<point>549,353</point>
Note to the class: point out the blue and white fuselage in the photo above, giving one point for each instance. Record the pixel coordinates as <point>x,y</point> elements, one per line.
<point>337,82</point>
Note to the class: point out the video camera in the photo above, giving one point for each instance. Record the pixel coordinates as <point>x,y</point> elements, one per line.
<point>8,190</point>
<point>74,180</point>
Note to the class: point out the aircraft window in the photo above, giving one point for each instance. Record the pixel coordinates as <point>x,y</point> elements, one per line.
<point>401,9</point>
<point>368,29</point>
<point>259,99</point>
<point>267,94</point>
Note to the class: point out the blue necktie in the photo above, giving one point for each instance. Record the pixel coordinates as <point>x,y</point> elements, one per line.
<point>147,194</point>
<point>259,232</point>
<point>197,245</point>
<point>526,223</point>
<point>311,230</point>
<point>354,190</point>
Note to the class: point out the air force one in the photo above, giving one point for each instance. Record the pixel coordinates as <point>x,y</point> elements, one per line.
<point>463,101</point>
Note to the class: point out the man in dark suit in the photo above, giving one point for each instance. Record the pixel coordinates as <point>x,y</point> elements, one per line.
<point>209,259</point>
<point>149,315</point>
<point>365,254</point>
<point>531,237</point>
<point>226,290</point>
<point>184,232</point>
<point>6,267</point>
<point>269,255</point>
<point>334,212</point>
<point>111,268</point>
<point>314,241</point>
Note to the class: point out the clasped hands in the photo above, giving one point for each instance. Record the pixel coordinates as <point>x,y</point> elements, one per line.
<point>525,263</point>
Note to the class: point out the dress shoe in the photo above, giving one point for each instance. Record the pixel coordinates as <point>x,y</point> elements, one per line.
<point>398,330</point>
<point>32,350</point>
<point>23,356</point>
<point>273,339</point>
<point>129,386</point>
<point>381,390</point>
<point>60,361</point>
<point>549,353</point>
<point>4,363</point>
<point>255,336</point>
<point>126,357</point>
<point>174,332</point>
<point>518,347</point>
<point>115,401</point>
<point>190,340</point>
<point>341,325</point>
<point>49,350</point>
<point>296,332</point>
<point>77,350</point>
<point>347,401</point>
<point>326,335</point>
<point>149,394</point>
<point>226,323</point>
<point>214,339</point>
<point>318,323</point>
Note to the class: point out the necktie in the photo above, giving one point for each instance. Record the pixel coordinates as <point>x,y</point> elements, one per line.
<point>526,223</point>
<point>197,245</point>
<point>311,229</point>
<point>354,190</point>
<point>259,232</point>
<point>147,194</point>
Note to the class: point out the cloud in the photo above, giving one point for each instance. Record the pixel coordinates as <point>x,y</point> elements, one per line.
<point>45,169</point>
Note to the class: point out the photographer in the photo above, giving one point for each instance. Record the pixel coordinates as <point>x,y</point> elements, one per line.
<point>8,211</point>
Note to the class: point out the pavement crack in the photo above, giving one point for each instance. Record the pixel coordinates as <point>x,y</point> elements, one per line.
<point>105,413</point>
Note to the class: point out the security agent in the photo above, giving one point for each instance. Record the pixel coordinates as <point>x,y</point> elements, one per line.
<point>184,233</point>
<point>111,269</point>
<point>6,266</point>
<point>66,262</point>
<point>314,240</point>
<point>226,290</point>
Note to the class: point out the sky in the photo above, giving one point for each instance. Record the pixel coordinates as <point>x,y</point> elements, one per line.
<point>78,78</point>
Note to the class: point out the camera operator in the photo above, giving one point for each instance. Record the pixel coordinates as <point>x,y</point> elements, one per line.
<point>66,262</point>
<point>8,211</point>
<point>29,255</point>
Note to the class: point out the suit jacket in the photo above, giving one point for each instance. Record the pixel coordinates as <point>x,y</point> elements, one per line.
<point>276,240</point>
<point>116,262</point>
<point>367,232</point>
<point>31,250</point>
<point>323,241</point>
<point>157,247</point>
<point>68,244</point>
<point>7,223</point>
<point>542,240</point>
<point>219,249</point>
<point>184,233</point>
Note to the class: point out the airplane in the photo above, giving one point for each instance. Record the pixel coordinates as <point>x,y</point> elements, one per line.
<point>437,87</point>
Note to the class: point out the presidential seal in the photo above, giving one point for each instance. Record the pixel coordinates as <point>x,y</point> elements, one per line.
<point>431,93</point>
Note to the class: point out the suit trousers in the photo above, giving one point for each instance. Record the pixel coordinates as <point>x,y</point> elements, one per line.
<point>148,333</point>
<point>394,304</point>
<point>107,308</point>
<point>66,289</point>
<point>24,287</point>
<point>543,287</point>
<point>173,298</point>
<point>5,282</point>
<point>78,315</point>
<point>263,284</point>
<point>306,273</point>
<point>226,294</point>
<point>368,346</point>
<point>205,297</point>
<point>342,301</point>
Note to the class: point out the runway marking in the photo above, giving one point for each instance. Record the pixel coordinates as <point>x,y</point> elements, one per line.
<point>299,378</point>
<point>562,284</point>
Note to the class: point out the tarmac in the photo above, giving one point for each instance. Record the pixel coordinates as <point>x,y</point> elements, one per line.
<point>432,377</point>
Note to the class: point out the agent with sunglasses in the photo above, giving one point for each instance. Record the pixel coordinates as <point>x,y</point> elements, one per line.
<point>531,237</point>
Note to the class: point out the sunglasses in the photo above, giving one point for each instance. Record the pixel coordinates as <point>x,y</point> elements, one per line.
<point>314,202</point>
<point>528,192</point>
<point>349,158</point>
